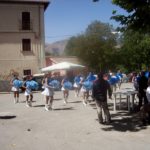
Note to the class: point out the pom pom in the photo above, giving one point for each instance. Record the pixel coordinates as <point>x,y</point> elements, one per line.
<point>17,83</point>
<point>88,85</point>
<point>55,84</point>
<point>32,85</point>
<point>67,85</point>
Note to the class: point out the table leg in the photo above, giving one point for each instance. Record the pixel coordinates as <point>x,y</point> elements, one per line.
<point>115,102</point>
<point>128,102</point>
<point>119,101</point>
<point>132,104</point>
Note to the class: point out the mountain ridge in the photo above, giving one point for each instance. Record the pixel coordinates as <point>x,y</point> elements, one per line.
<point>57,48</point>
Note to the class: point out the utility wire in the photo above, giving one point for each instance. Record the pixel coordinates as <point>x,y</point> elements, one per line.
<point>57,36</point>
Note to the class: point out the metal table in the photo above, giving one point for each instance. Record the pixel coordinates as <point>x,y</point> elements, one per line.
<point>130,96</point>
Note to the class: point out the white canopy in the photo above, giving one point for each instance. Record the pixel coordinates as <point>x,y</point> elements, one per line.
<point>62,66</point>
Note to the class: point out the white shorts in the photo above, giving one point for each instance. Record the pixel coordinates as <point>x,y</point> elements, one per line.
<point>84,90</point>
<point>28,92</point>
<point>48,92</point>
<point>63,89</point>
<point>14,89</point>
<point>76,85</point>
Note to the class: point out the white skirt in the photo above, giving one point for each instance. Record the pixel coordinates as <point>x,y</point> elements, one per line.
<point>63,89</point>
<point>14,89</point>
<point>48,92</point>
<point>28,92</point>
<point>76,85</point>
<point>84,90</point>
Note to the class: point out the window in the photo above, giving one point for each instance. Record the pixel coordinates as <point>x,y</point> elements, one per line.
<point>26,21</point>
<point>26,44</point>
<point>27,72</point>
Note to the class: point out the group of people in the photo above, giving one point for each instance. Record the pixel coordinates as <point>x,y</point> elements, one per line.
<point>99,87</point>
<point>96,86</point>
<point>141,83</point>
<point>92,85</point>
<point>26,85</point>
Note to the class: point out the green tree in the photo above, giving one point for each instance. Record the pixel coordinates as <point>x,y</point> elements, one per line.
<point>95,47</point>
<point>135,50</point>
<point>138,14</point>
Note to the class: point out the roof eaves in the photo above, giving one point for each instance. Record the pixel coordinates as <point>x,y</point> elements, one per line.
<point>44,2</point>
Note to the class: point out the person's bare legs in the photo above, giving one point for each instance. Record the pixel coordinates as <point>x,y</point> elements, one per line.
<point>46,103</point>
<point>16,97</point>
<point>76,92</point>
<point>31,99</point>
<point>27,100</point>
<point>51,102</point>
<point>85,97</point>
<point>66,94</point>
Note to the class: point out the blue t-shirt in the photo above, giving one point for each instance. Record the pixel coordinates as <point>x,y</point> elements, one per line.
<point>147,74</point>
<point>77,79</point>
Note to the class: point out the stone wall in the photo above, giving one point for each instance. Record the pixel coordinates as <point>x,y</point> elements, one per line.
<point>5,86</point>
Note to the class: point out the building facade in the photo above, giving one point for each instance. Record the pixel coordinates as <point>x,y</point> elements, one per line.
<point>22,37</point>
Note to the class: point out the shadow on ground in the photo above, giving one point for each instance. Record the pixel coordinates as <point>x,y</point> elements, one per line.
<point>57,99</point>
<point>39,106</point>
<point>75,102</point>
<point>7,117</point>
<point>25,101</point>
<point>66,108</point>
<point>123,120</point>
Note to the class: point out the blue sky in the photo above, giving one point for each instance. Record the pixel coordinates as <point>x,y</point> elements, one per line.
<point>66,18</point>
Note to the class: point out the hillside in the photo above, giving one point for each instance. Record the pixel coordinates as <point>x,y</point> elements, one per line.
<point>56,48</point>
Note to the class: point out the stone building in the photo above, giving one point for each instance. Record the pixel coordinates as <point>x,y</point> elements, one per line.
<point>22,37</point>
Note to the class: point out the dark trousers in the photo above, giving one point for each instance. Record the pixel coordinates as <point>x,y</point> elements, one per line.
<point>145,112</point>
<point>103,106</point>
<point>142,96</point>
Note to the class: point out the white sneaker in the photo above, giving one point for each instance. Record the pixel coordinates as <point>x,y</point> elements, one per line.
<point>27,104</point>
<point>65,101</point>
<point>84,103</point>
<point>46,108</point>
<point>15,101</point>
